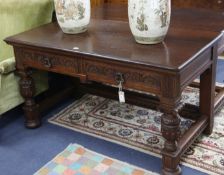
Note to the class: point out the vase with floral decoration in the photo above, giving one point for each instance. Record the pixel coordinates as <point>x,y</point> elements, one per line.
<point>149,20</point>
<point>73,15</point>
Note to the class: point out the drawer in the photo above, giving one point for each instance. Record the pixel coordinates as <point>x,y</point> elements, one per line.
<point>134,78</point>
<point>49,62</point>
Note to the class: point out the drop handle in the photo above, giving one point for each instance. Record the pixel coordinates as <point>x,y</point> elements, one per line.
<point>46,62</point>
<point>119,78</point>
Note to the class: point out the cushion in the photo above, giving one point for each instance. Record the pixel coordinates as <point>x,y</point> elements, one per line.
<point>7,66</point>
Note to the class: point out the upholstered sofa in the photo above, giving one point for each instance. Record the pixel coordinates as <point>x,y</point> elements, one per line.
<point>15,17</point>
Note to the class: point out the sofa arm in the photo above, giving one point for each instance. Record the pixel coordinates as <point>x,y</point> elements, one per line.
<point>17,16</point>
<point>7,66</point>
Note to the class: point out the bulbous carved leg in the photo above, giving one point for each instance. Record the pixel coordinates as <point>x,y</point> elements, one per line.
<point>27,90</point>
<point>170,122</point>
<point>170,131</point>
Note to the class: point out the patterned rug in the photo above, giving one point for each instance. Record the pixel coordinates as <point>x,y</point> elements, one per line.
<point>77,160</point>
<point>139,128</point>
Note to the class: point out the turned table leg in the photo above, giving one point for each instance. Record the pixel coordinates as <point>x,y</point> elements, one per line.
<point>27,90</point>
<point>170,122</point>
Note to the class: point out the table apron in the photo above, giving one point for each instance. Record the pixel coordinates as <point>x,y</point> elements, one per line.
<point>93,69</point>
<point>196,68</point>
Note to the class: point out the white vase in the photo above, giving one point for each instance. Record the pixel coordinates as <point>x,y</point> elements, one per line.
<point>149,20</point>
<point>73,15</point>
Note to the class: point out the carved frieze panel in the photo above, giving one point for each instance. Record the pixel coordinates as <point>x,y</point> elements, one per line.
<point>51,61</point>
<point>131,76</point>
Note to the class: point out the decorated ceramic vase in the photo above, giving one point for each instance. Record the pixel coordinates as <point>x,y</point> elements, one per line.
<point>149,20</point>
<point>73,15</point>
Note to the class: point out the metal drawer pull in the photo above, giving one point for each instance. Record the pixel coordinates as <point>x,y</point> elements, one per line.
<point>119,78</point>
<point>46,62</point>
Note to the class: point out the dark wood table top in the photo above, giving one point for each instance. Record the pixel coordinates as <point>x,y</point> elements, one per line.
<point>190,32</point>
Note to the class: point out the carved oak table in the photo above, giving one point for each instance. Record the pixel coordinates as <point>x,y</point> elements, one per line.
<point>108,52</point>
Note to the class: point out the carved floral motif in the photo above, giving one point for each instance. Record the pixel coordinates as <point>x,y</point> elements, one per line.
<point>51,61</point>
<point>133,76</point>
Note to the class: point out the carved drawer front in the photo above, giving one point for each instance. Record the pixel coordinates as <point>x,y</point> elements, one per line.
<point>135,78</point>
<point>50,62</point>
